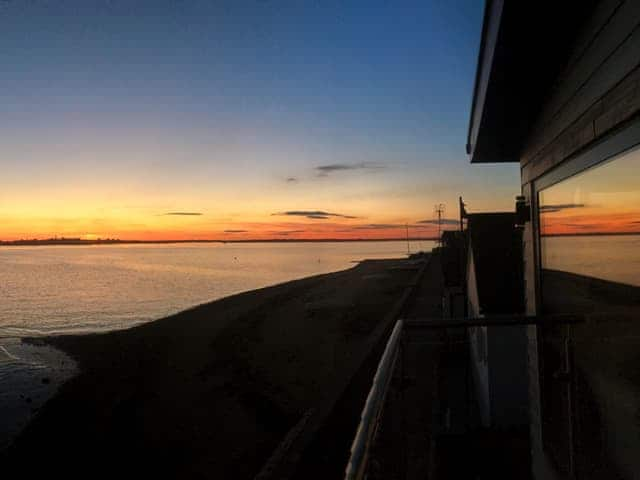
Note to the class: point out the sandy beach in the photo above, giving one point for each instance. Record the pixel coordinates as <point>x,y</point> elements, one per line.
<point>212,391</point>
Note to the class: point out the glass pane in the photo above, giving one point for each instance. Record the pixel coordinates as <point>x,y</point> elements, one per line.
<point>590,259</point>
<point>590,238</point>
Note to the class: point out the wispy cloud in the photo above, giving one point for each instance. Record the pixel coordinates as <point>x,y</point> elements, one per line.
<point>313,214</point>
<point>444,221</point>
<point>386,226</point>
<point>186,214</point>
<point>236,231</point>
<point>582,225</point>
<point>389,226</point>
<point>287,232</point>
<point>377,226</point>
<point>291,179</point>
<point>326,170</point>
<point>559,207</point>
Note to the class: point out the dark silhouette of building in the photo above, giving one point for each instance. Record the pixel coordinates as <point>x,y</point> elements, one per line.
<point>558,92</point>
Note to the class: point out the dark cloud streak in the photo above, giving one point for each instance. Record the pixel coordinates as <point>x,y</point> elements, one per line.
<point>288,232</point>
<point>377,226</point>
<point>444,221</point>
<point>313,214</point>
<point>559,207</point>
<point>325,170</point>
<point>183,214</point>
<point>583,225</point>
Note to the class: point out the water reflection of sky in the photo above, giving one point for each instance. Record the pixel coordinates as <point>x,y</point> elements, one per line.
<point>615,258</point>
<point>83,289</point>
<point>604,199</point>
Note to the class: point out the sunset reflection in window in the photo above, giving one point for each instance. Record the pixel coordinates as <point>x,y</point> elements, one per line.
<point>590,223</point>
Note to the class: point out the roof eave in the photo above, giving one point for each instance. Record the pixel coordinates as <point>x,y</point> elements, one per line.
<point>490,31</point>
<point>517,65</point>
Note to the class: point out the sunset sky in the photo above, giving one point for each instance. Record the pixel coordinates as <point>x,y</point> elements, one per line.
<point>604,199</point>
<point>238,120</point>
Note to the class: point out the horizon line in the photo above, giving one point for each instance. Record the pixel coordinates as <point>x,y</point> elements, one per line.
<point>73,241</point>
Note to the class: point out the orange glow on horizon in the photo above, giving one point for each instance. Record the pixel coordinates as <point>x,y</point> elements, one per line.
<point>187,216</point>
<point>592,224</point>
<point>600,200</point>
<point>311,230</point>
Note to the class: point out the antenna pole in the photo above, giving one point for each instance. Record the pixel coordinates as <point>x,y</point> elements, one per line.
<point>439,210</point>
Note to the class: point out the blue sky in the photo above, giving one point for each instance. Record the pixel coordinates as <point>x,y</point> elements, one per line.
<point>116,111</point>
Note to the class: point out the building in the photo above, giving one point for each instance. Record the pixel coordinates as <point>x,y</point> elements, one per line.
<point>494,288</point>
<point>558,91</point>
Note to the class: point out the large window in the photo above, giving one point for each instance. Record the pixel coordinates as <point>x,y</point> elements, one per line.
<point>590,237</point>
<point>590,371</point>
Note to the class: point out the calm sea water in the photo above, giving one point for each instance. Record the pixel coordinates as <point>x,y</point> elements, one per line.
<point>76,289</point>
<point>610,257</point>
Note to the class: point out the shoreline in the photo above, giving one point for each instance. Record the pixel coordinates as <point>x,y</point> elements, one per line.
<point>31,375</point>
<point>249,365</point>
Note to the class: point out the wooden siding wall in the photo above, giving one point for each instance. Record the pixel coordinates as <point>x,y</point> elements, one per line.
<point>598,90</point>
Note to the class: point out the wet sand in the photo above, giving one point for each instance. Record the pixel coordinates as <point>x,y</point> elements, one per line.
<point>212,391</point>
<point>29,376</point>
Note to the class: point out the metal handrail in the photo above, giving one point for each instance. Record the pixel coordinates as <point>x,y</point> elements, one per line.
<point>370,416</point>
<point>356,468</point>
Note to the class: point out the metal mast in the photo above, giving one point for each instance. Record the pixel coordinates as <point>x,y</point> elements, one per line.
<point>439,212</point>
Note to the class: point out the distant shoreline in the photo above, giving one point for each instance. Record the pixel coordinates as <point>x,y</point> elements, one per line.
<point>77,241</point>
<point>72,242</point>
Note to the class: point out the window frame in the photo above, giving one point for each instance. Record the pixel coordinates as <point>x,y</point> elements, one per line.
<point>613,145</point>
